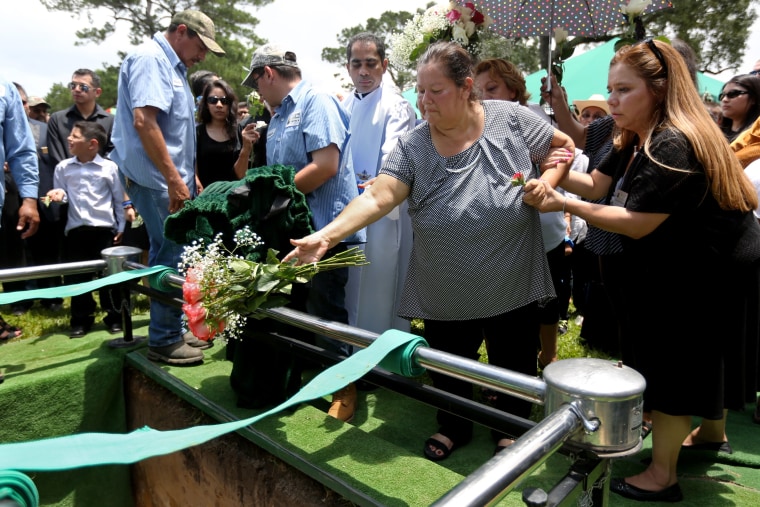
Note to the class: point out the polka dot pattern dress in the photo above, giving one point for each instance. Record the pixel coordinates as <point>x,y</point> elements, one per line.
<point>477,249</point>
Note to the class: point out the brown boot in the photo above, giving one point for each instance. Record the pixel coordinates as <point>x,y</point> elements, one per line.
<point>344,404</point>
<point>197,343</point>
<point>176,353</point>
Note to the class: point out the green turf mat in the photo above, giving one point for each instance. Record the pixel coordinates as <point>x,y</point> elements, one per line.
<point>58,386</point>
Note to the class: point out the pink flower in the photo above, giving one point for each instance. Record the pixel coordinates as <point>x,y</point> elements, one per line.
<point>196,320</point>
<point>195,312</point>
<point>191,292</point>
<point>192,276</point>
<point>453,16</point>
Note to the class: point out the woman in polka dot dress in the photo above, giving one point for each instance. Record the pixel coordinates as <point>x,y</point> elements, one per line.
<point>477,268</point>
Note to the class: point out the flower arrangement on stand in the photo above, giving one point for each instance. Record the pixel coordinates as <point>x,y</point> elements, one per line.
<point>462,24</point>
<point>222,287</point>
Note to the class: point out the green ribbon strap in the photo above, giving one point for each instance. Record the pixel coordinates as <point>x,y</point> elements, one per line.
<point>394,348</point>
<point>76,289</point>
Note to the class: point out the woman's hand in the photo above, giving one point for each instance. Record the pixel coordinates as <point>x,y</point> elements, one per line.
<point>542,196</point>
<point>308,249</point>
<point>556,155</point>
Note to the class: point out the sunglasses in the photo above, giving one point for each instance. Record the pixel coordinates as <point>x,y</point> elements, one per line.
<point>83,87</point>
<point>213,99</point>
<point>656,52</point>
<point>255,82</point>
<point>754,72</point>
<point>732,94</point>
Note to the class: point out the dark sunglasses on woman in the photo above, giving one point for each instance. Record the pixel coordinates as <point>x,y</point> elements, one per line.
<point>213,99</point>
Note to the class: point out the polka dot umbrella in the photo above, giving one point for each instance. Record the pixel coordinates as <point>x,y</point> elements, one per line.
<point>588,18</point>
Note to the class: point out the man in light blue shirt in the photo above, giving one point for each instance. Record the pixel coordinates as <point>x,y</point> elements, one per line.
<point>154,147</point>
<point>309,131</point>
<point>19,152</point>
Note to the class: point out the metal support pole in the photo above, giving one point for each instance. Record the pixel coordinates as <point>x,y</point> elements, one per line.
<point>116,259</point>
<point>499,475</point>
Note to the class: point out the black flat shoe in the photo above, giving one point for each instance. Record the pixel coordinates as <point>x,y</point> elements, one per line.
<point>77,332</point>
<point>435,450</point>
<point>669,494</point>
<point>723,447</point>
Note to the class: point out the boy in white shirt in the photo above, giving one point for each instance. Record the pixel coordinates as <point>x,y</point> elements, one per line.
<point>90,185</point>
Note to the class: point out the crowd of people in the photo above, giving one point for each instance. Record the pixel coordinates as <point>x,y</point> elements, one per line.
<point>641,207</point>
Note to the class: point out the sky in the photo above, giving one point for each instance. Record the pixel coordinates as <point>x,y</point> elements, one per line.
<point>38,45</point>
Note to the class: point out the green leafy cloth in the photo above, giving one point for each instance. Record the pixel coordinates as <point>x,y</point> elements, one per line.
<point>227,206</point>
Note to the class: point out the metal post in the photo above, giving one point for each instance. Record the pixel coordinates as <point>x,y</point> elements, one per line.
<point>116,258</point>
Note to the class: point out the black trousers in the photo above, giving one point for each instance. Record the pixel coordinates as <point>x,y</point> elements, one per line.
<point>85,244</point>
<point>512,344</point>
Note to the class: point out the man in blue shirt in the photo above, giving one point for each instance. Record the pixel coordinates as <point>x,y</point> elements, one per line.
<point>19,156</point>
<point>154,147</point>
<point>309,131</point>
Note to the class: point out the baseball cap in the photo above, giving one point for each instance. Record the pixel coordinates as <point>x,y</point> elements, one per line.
<point>37,101</point>
<point>269,55</point>
<point>202,25</point>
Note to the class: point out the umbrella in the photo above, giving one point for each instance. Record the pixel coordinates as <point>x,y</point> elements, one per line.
<point>587,18</point>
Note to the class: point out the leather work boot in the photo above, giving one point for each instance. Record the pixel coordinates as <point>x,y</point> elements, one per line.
<point>176,353</point>
<point>344,404</point>
<point>197,343</point>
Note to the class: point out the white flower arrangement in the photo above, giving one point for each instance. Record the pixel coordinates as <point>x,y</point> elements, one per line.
<point>635,7</point>
<point>458,23</point>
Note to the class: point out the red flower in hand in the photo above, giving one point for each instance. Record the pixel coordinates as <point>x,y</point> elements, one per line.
<point>518,180</point>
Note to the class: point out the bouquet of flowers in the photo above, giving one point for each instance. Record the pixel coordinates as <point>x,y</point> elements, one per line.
<point>222,287</point>
<point>451,22</point>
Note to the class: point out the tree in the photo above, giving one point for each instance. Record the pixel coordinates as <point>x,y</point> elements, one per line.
<point>234,27</point>
<point>717,30</point>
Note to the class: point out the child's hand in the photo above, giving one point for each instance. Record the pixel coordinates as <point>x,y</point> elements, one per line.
<point>55,195</point>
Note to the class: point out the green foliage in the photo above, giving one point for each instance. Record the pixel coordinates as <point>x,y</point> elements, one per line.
<point>717,30</point>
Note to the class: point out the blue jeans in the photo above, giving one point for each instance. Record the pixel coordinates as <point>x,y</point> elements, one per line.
<point>327,299</point>
<point>153,205</point>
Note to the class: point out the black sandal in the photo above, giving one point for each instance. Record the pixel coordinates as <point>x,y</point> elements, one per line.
<point>435,450</point>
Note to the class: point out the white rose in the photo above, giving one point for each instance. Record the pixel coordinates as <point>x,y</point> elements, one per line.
<point>560,35</point>
<point>460,35</point>
<point>635,7</point>
<point>469,28</point>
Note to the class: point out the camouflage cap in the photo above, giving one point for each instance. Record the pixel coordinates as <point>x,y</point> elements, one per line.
<point>269,55</point>
<point>202,25</point>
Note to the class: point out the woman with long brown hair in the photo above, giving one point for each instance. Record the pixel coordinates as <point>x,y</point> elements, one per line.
<point>691,248</point>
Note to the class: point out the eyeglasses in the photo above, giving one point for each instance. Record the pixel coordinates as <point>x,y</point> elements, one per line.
<point>83,87</point>
<point>754,72</point>
<point>732,94</point>
<point>255,82</point>
<point>213,99</point>
<point>657,53</point>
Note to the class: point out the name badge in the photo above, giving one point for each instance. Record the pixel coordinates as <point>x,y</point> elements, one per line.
<point>619,198</point>
<point>294,119</point>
